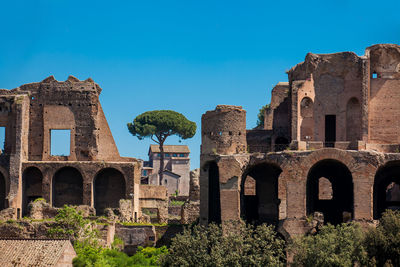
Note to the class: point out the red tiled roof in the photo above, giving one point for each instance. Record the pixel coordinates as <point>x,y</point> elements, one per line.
<point>32,252</point>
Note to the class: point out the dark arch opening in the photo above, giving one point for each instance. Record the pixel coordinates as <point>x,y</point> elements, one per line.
<point>339,207</point>
<point>67,187</point>
<point>109,188</point>
<point>214,199</point>
<point>387,188</point>
<point>281,143</point>
<point>259,194</point>
<point>32,187</point>
<point>2,192</point>
<point>307,122</point>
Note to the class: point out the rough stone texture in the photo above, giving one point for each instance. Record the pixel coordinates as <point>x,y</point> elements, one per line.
<point>40,210</point>
<point>335,119</point>
<point>134,236</point>
<point>155,197</point>
<point>190,210</point>
<point>7,214</point>
<point>29,170</point>
<point>125,210</point>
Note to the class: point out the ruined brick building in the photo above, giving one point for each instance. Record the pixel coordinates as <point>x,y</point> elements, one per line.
<point>330,144</point>
<point>92,174</point>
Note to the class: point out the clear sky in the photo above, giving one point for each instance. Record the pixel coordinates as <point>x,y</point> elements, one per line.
<point>187,56</point>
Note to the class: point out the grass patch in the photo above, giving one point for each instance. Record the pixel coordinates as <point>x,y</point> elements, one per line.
<point>176,203</point>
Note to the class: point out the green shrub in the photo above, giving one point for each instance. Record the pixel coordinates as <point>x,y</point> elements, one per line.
<point>331,246</point>
<point>383,242</point>
<point>176,203</point>
<point>39,199</point>
<point>242,246</point>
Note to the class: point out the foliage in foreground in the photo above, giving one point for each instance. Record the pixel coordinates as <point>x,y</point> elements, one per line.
<point>332,246</point>
<point>243,246</point>
<point>383,242</point>
<point>89,256</point>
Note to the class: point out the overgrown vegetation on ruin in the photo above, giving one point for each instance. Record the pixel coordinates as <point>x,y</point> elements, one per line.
<point>238,244</point>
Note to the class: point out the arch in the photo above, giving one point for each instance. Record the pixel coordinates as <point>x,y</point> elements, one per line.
<point>387,188</point>
<point>214,199</point>
<point>67,187</point>
<point>31,187</point>
<point>307,120</point>
<point>353,120</point>
<point>260,203</point>
<point>109,188</point>
<point>340,207</point>
<point>3,192</point>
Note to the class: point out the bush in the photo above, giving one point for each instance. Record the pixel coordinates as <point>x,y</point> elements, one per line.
<point>70,224</point>
<point>383,242</point>
<point>243,246</point>
<point>331,246</point>
<point>95,256</point>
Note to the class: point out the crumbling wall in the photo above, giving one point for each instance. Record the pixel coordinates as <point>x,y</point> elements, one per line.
<point>154,197</point>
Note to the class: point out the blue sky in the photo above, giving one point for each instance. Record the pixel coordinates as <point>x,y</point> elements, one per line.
<point>187,56</point>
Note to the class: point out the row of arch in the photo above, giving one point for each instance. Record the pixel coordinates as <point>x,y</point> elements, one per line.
<point>353,119</point>
<point>329,190</point>
<point>109,186</point>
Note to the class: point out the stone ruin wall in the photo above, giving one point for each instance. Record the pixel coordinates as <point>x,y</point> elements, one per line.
<point>307,180</point>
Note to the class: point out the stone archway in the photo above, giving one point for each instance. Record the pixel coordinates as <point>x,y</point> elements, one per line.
<point>32,187</point>
<point>67,187</point>
<point>259,193</point>
<point>330,191</point>
<point>387,188</point>
<point>109,188</point>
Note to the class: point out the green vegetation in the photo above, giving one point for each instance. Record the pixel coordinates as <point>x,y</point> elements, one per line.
<point>158,125</point>
<point>39,199</point>
<point>332,246</point>
<point>241,246</point>
<point>383,242</point>
<point>261,115</point>
<point>175,203</point>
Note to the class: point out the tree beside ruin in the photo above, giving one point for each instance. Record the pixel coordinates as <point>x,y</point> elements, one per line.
<point>158,125</point>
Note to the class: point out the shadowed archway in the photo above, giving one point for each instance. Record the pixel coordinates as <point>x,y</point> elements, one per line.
<point>32,187</point>
<point>67,187</point>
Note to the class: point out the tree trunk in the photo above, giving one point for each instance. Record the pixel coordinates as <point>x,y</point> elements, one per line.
<point>161,171</point>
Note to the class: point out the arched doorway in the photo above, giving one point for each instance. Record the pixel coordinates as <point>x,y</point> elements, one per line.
<point>67,187</point>
<point>330,191</point>
<point>307,120</point>
<point>32,187</point>
<point>3,192</point>
<point>214,199</point>
<point>259,194</point>
<point>387,188</point>
<point>353,120</point>
<point>109,188</point>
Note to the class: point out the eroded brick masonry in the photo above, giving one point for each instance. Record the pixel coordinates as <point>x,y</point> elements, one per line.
<point>329,145</point>
<point>91,174</point>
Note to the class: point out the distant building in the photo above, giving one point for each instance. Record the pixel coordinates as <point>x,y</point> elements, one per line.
<point>39,252</point>
<point>176,168</point>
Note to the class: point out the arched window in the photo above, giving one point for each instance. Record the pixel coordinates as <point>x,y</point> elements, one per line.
<point>67,187</point>
<point>307,119</point>
<point>32,187</point>
<point>109,188</point>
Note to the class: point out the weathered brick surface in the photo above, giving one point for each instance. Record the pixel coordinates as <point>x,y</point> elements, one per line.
<point>350,180</point>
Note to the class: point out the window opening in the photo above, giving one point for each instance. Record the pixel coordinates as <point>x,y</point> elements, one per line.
<point>2,138</point>
<point>60,142</point>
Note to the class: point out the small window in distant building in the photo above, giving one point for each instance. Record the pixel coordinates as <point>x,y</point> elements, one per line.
<point>181,155</point>
<point>374,75</point>
<point>167,155</point>
<point>2,138</point>
<point>165,181</point>
<point>174,155</point>
<point>144,172</point>
<point>159,154</point>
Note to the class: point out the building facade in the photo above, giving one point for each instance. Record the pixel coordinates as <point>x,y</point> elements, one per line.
<point>176,174</point>
<point>91,173</point>
<point>330,144</point>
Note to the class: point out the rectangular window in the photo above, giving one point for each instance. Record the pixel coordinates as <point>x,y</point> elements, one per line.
<point>144,172</point>
<point>174,155</point>
<point>167,155</point>
<point>2,138</point>
<point>181,155</point>
<point>60,142</point>
<point>159,154</point>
